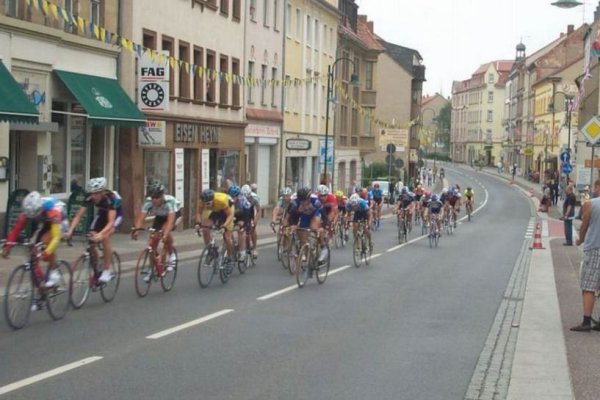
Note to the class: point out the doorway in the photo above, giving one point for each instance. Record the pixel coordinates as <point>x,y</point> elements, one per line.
<point>190,187</point>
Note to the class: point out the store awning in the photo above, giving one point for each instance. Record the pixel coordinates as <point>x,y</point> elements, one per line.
<point>14,104</point>
<point>103,99</point>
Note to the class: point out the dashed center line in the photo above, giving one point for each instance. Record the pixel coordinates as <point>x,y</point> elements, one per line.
<point>181,327</point>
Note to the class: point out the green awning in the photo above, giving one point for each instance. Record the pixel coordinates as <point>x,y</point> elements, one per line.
<point>103,99</point>
<point>14,104</point>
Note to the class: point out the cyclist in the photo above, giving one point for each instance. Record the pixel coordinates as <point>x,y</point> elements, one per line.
<point>306,209</point>
<point>242,218</point>
<point>166,211</point>
<point>109,216</point>
<point>45,214</point>
<point>405,201</point>
<point>362,212</point>
<point>329,214</point>
<point>378,201</point>
<point>470,197</point>
<point>253,198</point>
<point>453,201</point>
<point>442,173</point>
<point>216,209</point>
<point>342,201</point>
<point>282,205</point>
<point>436,207</point>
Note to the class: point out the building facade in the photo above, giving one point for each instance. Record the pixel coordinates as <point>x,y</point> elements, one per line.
<point>199,136</point>
<point>264,32</point>
<point>431,127</point>
<point>65,61</point>
<point>310,47</point>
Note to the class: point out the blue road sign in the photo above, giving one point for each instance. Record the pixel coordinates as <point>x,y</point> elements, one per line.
<point>565,157</point>
<point>566,168</point>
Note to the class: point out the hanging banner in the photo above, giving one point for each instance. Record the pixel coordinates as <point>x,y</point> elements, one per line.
<point>153,134</point>
<point>329,152</point>
<point>153,82</point>
<point>179,175</point>
<point>205,169</point>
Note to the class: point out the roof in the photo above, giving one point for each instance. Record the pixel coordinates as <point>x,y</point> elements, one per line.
<point>363,36</point>
<point>402,55</point>
<point>428,99</point>
<point>500,66</point>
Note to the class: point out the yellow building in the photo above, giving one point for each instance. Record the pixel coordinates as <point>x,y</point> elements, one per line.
<point>310,47</point>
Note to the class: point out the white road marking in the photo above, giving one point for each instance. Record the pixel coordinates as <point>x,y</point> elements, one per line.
<point>277,293</point>
<point>188,324</point>
<point>340,269</point>
<point>48,374</point>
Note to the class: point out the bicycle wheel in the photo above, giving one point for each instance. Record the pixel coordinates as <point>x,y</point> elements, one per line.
<point>469,213</point>
<point>436,238</point>
<point>144,273</point>
<point>365,251</point>
<point>167,281</point>
<point>279,245</point>
<point>303,269</point>
<point>431,238</point>
<point>58,297</point>
<point>283,252</point>
<point>402,232</point>
<point>82,278</point>
<point>337,236</point>
<point>207,266</point>
<point>108,290</point>
<point>18,297</point>
<point>357,251</point>
<point>323,268</point>
<point>225,269</point>
<point>293,260</point>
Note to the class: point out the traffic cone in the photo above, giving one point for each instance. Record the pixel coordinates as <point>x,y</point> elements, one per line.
<point>537,238</point>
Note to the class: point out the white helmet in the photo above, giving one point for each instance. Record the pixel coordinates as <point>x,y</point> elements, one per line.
<point>246,191</point>
<point>444,190</point>
<point>287,191</point>
<point>32,204</point>
<point>95,185</point>
<point>354,199</point>
<point>254,187</point>
<point>323,190</point>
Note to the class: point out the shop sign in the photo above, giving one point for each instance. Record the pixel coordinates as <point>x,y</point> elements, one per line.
<point>153,82</point>
<point>205,169</point>
<point>399,137</point>
<point>297,144</point>
<point>263,131</point>
<point>179,175</point>
<point>153,134</point>
<point>194,133</point>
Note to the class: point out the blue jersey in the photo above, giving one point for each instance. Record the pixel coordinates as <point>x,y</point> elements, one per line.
<point>311,208</point>
<point>362,205</point>
<point>435,206</point>
<point>377,194</point>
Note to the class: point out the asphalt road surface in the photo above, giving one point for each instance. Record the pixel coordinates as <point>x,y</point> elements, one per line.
<point>411,325</point>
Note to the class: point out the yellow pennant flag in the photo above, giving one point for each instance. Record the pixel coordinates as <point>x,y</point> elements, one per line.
<point>96,31</point>
<point>81,24</point>
<point>65,15</point>
<point>186,65</point>
<point>45,6</point>
<point>200,71</point>
<point>103,34</point>
<point>172,62</point>
<point>54,10</point>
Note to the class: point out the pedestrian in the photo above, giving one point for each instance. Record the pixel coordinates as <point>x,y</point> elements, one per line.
<point>568,215</point>
<point>499,166</point>
<point>583,198</point>
<point>555,192</point>
<point>514,172</point>
<point>589,235</point>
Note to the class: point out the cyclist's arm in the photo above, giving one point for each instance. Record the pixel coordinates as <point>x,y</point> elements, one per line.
<point>140,220</point>
<point>229,216</point>
<point>54,238</point>
<point>17,229</point>
<point>199,214</point>
<point>274,214</point>
<point>75,220</point>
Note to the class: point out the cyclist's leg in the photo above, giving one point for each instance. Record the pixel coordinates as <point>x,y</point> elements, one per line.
<point>207,223</point>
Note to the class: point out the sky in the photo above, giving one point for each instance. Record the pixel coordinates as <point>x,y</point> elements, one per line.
<point>455,37</point>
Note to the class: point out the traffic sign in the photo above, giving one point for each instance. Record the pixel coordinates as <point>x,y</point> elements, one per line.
<point>591,130</point>
<point>390,148</point>
<point>565,156</point>
<point>399,163</point>
<point>567,169</point>
<point>389,159</point>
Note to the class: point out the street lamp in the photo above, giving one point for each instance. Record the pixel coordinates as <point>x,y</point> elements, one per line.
<point>353,81</point>
<point>569,110</point>
<point>566,3</point>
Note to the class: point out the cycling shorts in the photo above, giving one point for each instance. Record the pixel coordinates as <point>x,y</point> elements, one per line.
<point>159,221</point>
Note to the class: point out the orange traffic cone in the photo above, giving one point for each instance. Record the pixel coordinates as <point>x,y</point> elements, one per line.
<point>537,238</point>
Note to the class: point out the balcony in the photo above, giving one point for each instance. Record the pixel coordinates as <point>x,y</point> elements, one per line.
<point>368,98</point>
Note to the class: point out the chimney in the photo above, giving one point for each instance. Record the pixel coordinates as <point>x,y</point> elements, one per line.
<point>371,28</point>
<point>570,29</point>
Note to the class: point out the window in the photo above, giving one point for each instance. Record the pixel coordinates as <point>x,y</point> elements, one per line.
<point>69,9</point>
<point>307,98</point>
<point>325,40</point>
<point>317,35</point>
<point>157,166</point>
<point>354,128</point>
<point>211,82</point>
<point>167,45</point>
<point>345,69</point>
<point>235,70</point>
<point>369,76</point>
<point>11,8</point>
<point>490,97</point>
<point>490,78</point>
<point>252,11</point>
<point>184,75</point>
<point>223,84</point>
<point>149,39</point>
<point>308,31</point>
<point>237,10</point>
<point>343,119</point>
<point>367,128</point>
<point>298,89</point>
<point>96,13</point>
<point>198,78</point>
<point>224,168</point>
<point>263,84</point>
<point>288,20</point>
<point>275,14</point>
<point>266,12</point>
<point>273,87</point>
<point>286,95</point>
<point>315,104</point>
<point>490,116</point>
<point>224,8</point>
<point>298,24</point>
<point>250,86</point>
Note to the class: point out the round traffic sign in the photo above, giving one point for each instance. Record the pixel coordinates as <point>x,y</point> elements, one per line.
<point>390,148</point>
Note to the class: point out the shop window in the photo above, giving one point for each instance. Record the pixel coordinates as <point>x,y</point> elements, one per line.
<point>235,70</point>
<point>184,76</point>
<point>210,84</point>
<point>223,85</point>
<point>98,145</point>
<point>157,167</point>
<point>77,143</point>
<point>167,45</point>
<point>224,168</point>
<point>198,78</point>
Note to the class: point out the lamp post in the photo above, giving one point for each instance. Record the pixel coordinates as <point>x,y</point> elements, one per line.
<point>566,3</point>
<point>569,111</point>
<point>330,77</point>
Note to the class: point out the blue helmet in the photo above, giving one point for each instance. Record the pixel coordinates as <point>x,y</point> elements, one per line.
<point>234,191</point>
<point>435,197</point>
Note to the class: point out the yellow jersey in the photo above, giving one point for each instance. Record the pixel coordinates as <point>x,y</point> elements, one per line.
<point>469,194</point>
<point>221,202</point>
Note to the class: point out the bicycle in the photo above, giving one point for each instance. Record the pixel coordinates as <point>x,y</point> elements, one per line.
<point>293,251</point>
<point>248,260</point>
<point>434,231</point>
<point>86,271</point>
<point>341,232</point>
<point>212,260</point>
<point>283,244</point>
<point>26,290</point>
<point>469,209</point>
<point>308,260</point>
<point>361,249</point>
<point>402,226</point>
<point>150,268</point>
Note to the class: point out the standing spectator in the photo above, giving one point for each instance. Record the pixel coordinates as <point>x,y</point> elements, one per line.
<point>589,235</point>
<point>555,192</point>
<point>583,198</point>
<point>499,167</point>
<point>568,215</point>
<point>514,172</point>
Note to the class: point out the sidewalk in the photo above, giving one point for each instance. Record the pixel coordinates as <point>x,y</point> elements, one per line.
<point>551,362</point>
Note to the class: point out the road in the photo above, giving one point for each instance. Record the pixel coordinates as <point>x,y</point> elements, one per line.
<point>412,325</point>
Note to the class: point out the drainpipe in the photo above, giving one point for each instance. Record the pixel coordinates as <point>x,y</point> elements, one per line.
<point>283,100</point>
<point>116,180</point>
